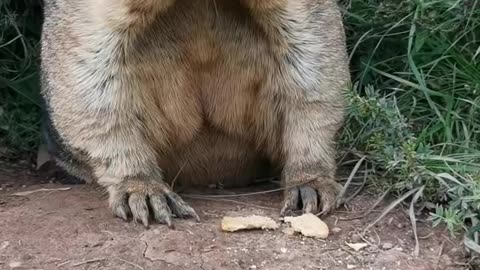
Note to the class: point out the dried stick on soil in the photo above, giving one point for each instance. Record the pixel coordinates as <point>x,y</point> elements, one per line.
<point>349,180</point>
<point>62,264</point>
<point>197,196</point>
<point>232,201</point>
<point>390,208</point>
<point>360,188</point>
<point>88,261</point>
<point>26,193</point>
<point>172,186</point>
<point>439,255</point>
<point>370,210</point>
<point>131,263</point>
<point>413,219</point>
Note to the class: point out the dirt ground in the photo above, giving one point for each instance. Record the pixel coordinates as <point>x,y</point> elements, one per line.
<point>74,229</point>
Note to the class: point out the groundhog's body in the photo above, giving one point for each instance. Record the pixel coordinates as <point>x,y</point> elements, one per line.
<point>140,90</point>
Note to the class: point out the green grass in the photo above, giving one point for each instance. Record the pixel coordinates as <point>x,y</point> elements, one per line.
<point>414,109</point>
<point>19,91</point>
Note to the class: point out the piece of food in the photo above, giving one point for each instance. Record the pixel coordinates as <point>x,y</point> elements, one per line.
<point>309,225</point>
<point>233,224</point>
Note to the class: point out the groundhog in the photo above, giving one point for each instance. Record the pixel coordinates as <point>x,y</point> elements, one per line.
<point>140,92</point>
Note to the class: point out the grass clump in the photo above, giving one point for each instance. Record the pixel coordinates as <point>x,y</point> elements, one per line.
<point>415,105</point>
<point>19,85</point>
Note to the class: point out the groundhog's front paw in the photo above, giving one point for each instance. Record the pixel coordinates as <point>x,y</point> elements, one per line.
<point>311,197</point>
<point>146,200</point>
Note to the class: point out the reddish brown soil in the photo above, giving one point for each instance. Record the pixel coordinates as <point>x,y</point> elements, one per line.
<point>74,229</point>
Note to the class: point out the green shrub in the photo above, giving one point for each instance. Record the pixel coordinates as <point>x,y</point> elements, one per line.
<point>415,106</point>
<point>20,23</point>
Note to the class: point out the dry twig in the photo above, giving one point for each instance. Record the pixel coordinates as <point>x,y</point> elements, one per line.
<point>131,263</point>
<point>349,180</point>
<point>88,261</point>
<point>413,219</point>
<point>390,208</point>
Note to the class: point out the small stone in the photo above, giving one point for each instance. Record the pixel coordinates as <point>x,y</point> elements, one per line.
<point>387,245</point>
<point>15,264</point>
<point>253,267</point>
<point>356,238</point>
<point>351,266</point>
<point>336,230</point>
<point>283,250</point>
<point>357,246</point>
<point>288,231</point>
<point>4,245</point>
<point>446,259</point>
<point>399,249</point>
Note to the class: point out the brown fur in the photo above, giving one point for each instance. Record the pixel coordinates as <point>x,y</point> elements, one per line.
<point>211,87</point>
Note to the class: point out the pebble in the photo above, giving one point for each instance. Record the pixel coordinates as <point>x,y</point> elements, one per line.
<point>356,238</point>
<point>4,245</point>
<point>283,250</point>
<point>446,259</point>
<point>351,266</point>
<point>336,230</point>
<point>15,264</point>
<point>387,246</point>
<point>357,246</point>
<point>26,257</point>
<point>288,231</point>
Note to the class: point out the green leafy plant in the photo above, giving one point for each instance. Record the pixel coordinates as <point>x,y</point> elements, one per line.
<point>415,108</point>
<point>19,88</point>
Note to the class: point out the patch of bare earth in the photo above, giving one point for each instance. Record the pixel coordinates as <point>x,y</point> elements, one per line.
<point>74,229</point>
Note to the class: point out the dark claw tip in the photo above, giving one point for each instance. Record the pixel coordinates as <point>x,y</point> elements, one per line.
<point>196,217</point>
